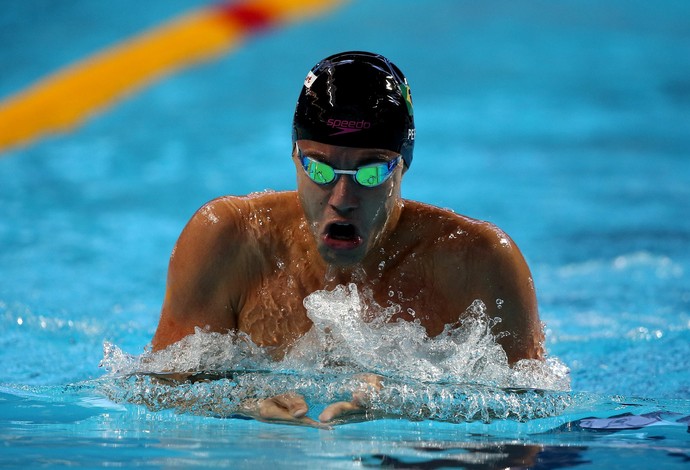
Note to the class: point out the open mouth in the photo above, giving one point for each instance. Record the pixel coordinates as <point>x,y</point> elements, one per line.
<point>342,231</point>
<point>342,236</point>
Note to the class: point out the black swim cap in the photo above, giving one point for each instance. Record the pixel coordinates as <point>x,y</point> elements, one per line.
<point>356,99</point>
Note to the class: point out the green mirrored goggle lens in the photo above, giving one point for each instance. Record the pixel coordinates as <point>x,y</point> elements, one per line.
<point>372,175</point>
<point>368,176</point>
<point>318,172</point>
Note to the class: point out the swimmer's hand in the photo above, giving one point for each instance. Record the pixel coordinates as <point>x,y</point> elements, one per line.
<point>288,408</point>
<point>357,409</point>
<point>292,408</point>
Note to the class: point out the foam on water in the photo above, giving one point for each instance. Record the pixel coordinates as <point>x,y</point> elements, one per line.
<point>462,374</point>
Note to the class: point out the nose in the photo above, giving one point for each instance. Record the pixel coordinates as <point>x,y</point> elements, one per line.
<point>344,195</point>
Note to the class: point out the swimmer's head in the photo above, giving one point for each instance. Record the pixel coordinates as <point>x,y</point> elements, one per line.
<point>356,99</point>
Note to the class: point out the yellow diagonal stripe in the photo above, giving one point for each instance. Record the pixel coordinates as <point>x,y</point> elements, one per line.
<point>61,101</point>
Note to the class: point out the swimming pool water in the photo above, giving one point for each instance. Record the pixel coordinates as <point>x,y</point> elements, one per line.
<point>568,125</point>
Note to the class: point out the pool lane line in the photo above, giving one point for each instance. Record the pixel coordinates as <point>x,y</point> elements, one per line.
<point>62,101</point>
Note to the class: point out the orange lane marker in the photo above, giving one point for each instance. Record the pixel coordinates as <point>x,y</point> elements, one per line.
<point>62,101</point>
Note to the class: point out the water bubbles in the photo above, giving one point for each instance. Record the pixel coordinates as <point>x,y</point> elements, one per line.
<point>359,275</point>
<point>331,273</point>
<point>256,194</point>
<point>207,212</point>
<point>645,334</point>
<point>499,303</point>
<point>381,268</point>
<point>462,374</point>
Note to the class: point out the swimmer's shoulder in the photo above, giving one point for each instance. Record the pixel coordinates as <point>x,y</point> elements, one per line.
<point>232,231</point>
<point>282,206</point>
<point>439,224</point>
<point>452,240</point>
<point>245,226</point>
<point>240,213</point>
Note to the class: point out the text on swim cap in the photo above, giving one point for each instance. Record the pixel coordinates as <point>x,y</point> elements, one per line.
<point>345,126</point>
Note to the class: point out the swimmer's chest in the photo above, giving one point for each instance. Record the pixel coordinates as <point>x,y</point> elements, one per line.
<point>273,313</point>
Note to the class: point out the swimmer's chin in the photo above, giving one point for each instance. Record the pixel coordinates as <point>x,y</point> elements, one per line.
<point>342,258</point>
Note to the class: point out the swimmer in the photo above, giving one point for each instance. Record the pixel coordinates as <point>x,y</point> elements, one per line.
<point>247,263</point>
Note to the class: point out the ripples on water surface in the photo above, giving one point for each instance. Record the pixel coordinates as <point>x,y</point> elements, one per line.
<point>565,123</point>
<point>461,375</point>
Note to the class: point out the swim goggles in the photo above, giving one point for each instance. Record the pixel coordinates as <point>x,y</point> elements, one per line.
<point>368,176</point>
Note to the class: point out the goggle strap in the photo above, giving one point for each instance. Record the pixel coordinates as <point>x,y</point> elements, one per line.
<point>389,167</point>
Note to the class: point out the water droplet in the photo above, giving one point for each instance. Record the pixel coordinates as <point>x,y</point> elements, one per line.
<point>426,378</point>
<point>359,275</point>
<point>499,303</point>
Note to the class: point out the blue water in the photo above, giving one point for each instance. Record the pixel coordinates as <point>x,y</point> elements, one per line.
<point>565,123</point>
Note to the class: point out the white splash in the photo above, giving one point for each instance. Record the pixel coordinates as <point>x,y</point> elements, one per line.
<point>461,374</point>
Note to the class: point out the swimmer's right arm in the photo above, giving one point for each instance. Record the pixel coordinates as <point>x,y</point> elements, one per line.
<point>206,274</point>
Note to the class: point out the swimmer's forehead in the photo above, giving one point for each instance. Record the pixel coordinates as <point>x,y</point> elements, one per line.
<point>344,155</point>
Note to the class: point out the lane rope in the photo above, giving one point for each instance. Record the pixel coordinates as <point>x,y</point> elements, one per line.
<point>62,101</point>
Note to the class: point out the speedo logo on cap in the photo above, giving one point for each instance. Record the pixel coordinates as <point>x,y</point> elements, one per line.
<point>345,126</point>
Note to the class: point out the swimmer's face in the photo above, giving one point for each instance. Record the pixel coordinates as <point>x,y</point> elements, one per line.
<point>346,219</point>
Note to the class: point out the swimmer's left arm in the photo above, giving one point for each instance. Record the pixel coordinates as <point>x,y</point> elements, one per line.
<point>511,296</point>
<point>493,270</point>
<point>206,274</point>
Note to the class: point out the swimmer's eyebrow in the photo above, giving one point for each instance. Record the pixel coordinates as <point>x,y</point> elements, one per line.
<point>377,158</point>
<point>315,154</point>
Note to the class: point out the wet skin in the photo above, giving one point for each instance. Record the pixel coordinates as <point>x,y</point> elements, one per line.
<point>247,263</point>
